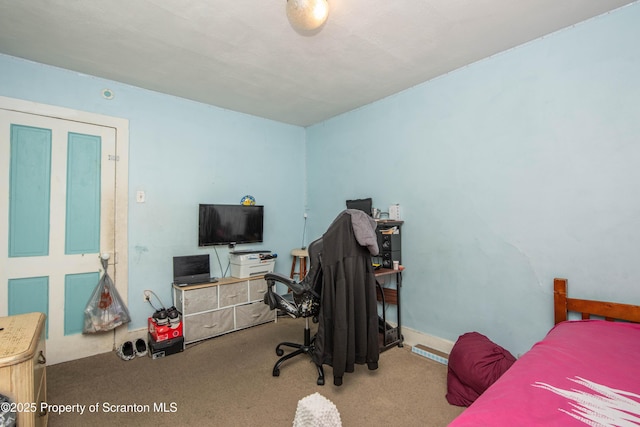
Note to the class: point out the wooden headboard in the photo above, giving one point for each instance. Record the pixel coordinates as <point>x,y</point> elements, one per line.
<point>608,310</point>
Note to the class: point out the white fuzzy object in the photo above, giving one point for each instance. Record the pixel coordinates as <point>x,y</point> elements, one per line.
<point>316,410</point>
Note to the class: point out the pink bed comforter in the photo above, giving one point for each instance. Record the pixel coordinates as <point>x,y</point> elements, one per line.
<point>582,373</point>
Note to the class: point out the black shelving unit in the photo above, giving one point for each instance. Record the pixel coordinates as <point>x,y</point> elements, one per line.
<point>390,249</point>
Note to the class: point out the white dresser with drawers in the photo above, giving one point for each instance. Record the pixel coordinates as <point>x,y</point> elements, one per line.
<point>212,309</point>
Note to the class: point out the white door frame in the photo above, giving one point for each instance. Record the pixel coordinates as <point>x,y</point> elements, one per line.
<point>120,274</point>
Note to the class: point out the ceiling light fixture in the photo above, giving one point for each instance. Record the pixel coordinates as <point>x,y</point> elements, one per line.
<point>307,15</point>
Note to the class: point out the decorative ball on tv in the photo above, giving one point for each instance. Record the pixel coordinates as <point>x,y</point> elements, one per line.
<point>248,201</point>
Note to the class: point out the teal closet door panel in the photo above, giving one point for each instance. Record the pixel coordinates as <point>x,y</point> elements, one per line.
<point>29,191</point>
<point>82,234</point>
<point>77,292</point>
<point>30,294</point>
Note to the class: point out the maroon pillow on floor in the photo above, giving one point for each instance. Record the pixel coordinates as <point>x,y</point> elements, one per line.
<point>475,363</point>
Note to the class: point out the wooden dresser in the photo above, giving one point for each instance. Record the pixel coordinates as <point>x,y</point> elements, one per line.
<point>23,366</point>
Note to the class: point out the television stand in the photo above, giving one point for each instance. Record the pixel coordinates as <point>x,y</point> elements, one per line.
<point>230,304</point>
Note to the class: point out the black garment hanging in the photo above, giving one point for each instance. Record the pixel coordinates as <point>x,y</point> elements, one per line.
<point>348,320</point>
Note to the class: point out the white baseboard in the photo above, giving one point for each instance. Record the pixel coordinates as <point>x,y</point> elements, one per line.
<point>413,338</point>
<point>133,335</point>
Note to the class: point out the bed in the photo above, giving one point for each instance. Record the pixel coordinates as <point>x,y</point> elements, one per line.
<point>584,372</point>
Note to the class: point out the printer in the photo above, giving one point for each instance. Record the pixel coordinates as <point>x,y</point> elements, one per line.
<point>251,263</point>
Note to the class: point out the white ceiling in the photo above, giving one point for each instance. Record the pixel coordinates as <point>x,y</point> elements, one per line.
<point>243,55</point>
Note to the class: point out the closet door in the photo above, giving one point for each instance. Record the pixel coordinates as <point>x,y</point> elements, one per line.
<point>57,211</point>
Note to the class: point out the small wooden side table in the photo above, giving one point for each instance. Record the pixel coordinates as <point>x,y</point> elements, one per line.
<point>301,255</point>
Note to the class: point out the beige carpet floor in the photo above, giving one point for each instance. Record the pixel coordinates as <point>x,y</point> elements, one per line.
<point>227,381</point>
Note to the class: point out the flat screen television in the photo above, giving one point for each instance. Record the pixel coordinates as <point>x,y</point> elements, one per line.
<point>230,224</point>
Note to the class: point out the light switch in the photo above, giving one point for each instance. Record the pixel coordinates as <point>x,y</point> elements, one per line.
<point>140,197</point>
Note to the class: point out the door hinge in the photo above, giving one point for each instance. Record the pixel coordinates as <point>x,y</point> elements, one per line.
<point>114,157</point>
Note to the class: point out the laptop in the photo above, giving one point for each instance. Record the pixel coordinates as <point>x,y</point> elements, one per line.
<point>191,269</point>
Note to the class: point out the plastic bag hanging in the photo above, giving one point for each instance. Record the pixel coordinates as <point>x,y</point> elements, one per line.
<point>105,310</point>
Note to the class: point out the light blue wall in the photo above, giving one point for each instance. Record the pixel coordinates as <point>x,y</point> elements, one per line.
<point>181,153</point>
<point>509,172</point>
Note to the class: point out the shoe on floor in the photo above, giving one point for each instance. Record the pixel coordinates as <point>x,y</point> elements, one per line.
<point>141,347</point>
<point>125,351</point>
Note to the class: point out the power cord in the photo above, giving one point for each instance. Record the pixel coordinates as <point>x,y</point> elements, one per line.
<point>226,270</point>
<point>147,296</point>
<point>162,315</point>
<point>304,230</point>
<point>219,262</point>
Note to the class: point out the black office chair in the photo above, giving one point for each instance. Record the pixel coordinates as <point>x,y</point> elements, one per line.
<point>303,301</point>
